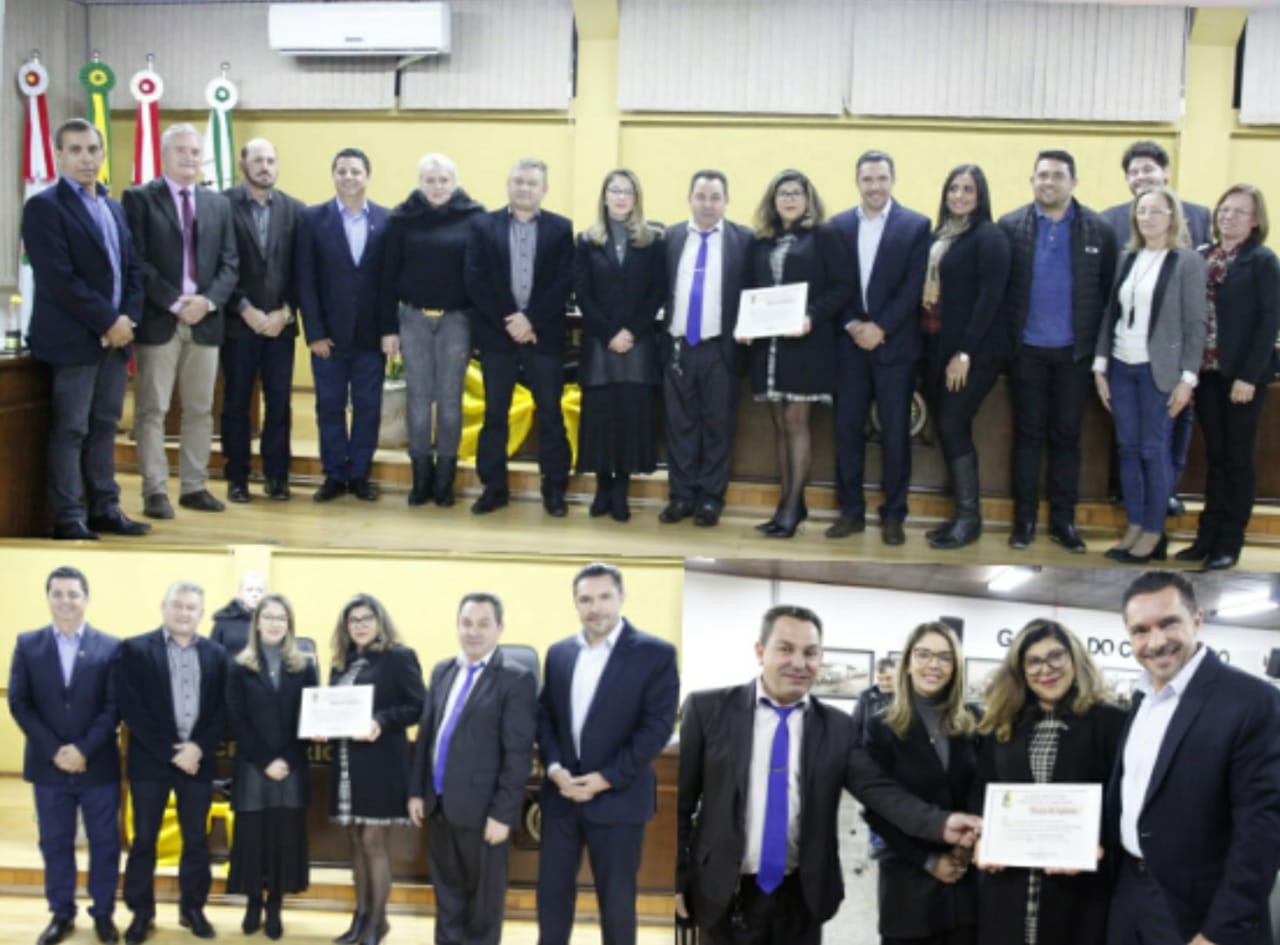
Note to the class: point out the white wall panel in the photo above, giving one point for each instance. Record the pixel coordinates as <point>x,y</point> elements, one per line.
<point>1260,83</point>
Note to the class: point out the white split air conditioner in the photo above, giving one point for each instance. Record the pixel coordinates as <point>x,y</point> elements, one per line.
<point>359,29</point>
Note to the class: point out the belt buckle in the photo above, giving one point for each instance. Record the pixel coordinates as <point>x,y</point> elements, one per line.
<point>432,312</point>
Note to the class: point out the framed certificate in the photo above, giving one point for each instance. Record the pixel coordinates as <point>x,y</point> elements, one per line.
<point>336,712</point>
<point>769,312</point>
<point>1042,826</point>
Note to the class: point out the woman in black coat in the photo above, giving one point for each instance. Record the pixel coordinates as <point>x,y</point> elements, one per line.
<point>925,741</point>
<point>1047,694</point>
<point>370,786</point>
<point>965,336</point>
<point>1239,363</point>
<point>619,280</point>
<point>270,792</point>
<point>793,373</point>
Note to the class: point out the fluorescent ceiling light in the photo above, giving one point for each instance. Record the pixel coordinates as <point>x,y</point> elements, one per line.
<point>1245,605</point>
<point>1006,579</point>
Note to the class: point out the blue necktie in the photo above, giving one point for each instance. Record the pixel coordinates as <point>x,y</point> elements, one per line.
<point>773,847</point>
<point>693,324</point>
<point>447,735</point>
<point>107,227</point>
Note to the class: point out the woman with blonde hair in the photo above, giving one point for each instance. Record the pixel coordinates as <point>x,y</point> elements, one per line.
<point>1046,721</point>
<point>925,741</point>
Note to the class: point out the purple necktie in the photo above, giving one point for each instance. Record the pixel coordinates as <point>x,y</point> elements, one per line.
<point>693,324</point>
<point>437,778</point>
<point>189,233</point>
<point>773,846</point>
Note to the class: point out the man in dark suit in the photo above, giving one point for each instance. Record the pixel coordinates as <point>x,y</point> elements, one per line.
<point>261,327</point>
<point>188,250</point>
<point>62,694</point>
<point>606,711</point>
<point>88,298</point>
<point>171,684</point>
<point>700,375</point>
<point>519,273</point>
<point>338,262</point>
<point>1193,806</point>
<point>470,765</point>
<point>878,347</point>
<point>753,867</point>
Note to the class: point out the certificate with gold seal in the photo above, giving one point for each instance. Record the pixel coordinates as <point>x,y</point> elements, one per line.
<point>336,712</point>
<point>1042,826</point>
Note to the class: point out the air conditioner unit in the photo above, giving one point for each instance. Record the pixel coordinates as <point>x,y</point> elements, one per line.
<point>359,29</point>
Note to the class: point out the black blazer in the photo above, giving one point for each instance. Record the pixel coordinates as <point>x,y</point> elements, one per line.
<point>72,308</point>
<point>491,752</point>
<point>613,296</point>
<point>1073,909</point>
<point>488,280</point>
<point>339,298</point>
<point>913,904</point>
<point>266,280</point>
<point>157,232</point>
<point>51,715</point>
<point>264,723</point>
<point>734,276</point>
<point>807,365</point>
<point>1210,824</point>
<point>1248,307</point>
<point>974,273</point>
<point>146,706</point>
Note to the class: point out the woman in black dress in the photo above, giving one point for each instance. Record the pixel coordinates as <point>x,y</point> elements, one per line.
<point>1045,721</point>
<point>793,373</point>
<point>270,792</point>
<point>370,785</point>
<point>619,279</point>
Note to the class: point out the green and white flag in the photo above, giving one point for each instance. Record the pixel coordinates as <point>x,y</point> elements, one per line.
<point>219,148</point>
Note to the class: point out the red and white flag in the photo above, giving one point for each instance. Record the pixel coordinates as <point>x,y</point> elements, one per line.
<point>38,170</point>
<point>146,86</point>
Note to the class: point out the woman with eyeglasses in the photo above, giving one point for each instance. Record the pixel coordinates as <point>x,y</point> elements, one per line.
<point>1239,363</point>
<point>791,373</point>
<point>369,790</point>
<point>1147,361</point>
<point>619,279</point>
<point>925,741</point>
<point>1045,721</point>
<point>271,789</point>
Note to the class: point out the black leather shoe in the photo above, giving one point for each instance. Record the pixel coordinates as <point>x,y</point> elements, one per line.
<point>601,504</point>
<point>363,489</point>
<point>350,936</point>
<point>1067,537</point>
<point>1023,534</point>
<point>1194,552</point>
<point>676,511</point>
<point>200,501</point>
<point>105,929</point>
<point>554,503</point>
<point>490,500</point>
<point>157,506</point>
<point>56,931</point>
<point>329,490</point>
<point>139,929</point>
<point>252,917</point>
<point>706,516</point>
<point>1124,556</point>
<point>1176,508</point>
<point>892,533</point>
<point>73,531</point>
<point>237,492</point>
<point>273,928</point>
<point>1221,562</point>
<point>845,526</point>
<point>116,522</point>
<point>277,489</point>
<point>194,920</point>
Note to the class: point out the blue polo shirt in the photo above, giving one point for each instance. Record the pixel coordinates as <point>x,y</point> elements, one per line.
<point>1049,314</point>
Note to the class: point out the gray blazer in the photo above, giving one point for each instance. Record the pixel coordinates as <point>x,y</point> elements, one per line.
<point>1179,317</point>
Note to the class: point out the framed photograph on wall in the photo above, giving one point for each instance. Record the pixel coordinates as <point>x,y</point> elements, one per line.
<point>976,673</point>
<point>844,674</point>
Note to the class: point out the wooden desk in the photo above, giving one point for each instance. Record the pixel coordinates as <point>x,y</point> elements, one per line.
<point>25,414</point>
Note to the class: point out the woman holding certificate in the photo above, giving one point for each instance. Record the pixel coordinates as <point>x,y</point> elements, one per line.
<point>792,372</point>
<point>370,788</point>
<point>925,741</point>
<point>270,792</point>
<point>1045,721</point>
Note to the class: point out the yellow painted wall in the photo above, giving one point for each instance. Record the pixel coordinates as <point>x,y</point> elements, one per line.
<point>420,592</point>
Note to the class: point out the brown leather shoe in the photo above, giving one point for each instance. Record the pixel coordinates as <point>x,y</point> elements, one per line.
<point>845,526</point>
<point>892,533</point>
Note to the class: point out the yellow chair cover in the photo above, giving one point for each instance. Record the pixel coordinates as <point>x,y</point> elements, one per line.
<point>169,843</point>
<point>521,418</point>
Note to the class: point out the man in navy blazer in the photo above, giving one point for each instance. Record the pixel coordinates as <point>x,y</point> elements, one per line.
<point>878,345</point>
<point>607,709</point>
<point>88,298</point>
<point>171,684</point>
<point>519,273</point>
<point>1193,806</point>
<point>470,765</point>
<point>338,265</point>
<point>62,694</point>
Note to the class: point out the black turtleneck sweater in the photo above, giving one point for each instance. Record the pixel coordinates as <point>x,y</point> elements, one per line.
<point>425,250</point>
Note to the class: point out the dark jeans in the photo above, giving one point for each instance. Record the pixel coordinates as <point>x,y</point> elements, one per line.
<point>436,351</point>
<point>243,361</point>
<point>777,918</point>
<point>149,799</point>
<point>956,409</point>
<point>470,882</point>
<point>1141,415</point>
<point>87,402</point>
<point>358,375</point>
<point>860,381</point>
<point>543,374</point>
<point>700,394</point>
<point>56,813</point>
<point>614,852</point>
<point>1049,390</point>
<point>1140,910</point>
<point>1230,441</point>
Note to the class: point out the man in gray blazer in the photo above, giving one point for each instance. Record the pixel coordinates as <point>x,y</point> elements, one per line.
<point>189,264</point>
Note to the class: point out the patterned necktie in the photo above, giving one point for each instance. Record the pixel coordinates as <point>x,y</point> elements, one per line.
<point>189,233</point>
<point>693,324</point>
<point>446,736</point>
<point>106,226</point>
<point>773,846</point>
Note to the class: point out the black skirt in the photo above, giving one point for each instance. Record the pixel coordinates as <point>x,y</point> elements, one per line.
<point>269,851</point>
<point>616,432</point>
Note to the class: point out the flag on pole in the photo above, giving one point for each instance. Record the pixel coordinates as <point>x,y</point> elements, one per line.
<point>98,80</point>
<point>146,87</point>
<point>38,170</point>
<point>219,148</point>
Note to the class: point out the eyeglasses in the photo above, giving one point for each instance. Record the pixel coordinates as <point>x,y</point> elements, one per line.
<point>1234,212</point>
<point>1051,662</point>
<point>362,618</point>
<point>273,618</point>
<point>1143,212</point>
<point>790,194</point>
<point>925,657</point>
<point>619,191</point>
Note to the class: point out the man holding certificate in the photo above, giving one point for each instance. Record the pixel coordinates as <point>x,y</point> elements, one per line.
<point>1193,807</point>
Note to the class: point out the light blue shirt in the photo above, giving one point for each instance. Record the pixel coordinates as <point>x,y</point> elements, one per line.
<point>68,650</point>
<point>587,670</point>
<point>356,226</point>
<point>101,213</point>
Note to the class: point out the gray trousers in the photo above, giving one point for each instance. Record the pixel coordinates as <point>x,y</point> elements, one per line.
<point>87,403</point>
<point>194,368</point>
<point>435,352</point>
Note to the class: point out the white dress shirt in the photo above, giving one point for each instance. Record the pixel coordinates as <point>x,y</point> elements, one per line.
<point>712,285</point>
<point>459,678</point>
<point>870,230</point>
<point>587,671</point>
<point>765,727</point>
<point>1142,747</point>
